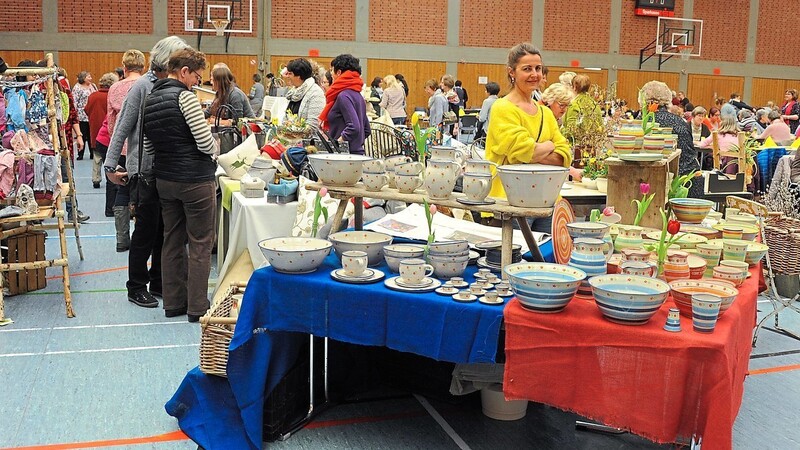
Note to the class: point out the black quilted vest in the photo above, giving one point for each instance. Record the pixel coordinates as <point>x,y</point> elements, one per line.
<point>176,155</point>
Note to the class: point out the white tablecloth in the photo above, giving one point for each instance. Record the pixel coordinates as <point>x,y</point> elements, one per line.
<point>251,221</point>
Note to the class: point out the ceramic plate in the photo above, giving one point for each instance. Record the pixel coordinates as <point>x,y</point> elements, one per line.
<point>484,265</point>
<point>466,201</point>
<point>391,284</point>
<point>562,243</point>
<point>459,298</point>
<point>510,293</point>
<point>368,273</point>
<point>497,301</point>
<point>424,283</point>
<point>377,275</point>
<point>641,157</point>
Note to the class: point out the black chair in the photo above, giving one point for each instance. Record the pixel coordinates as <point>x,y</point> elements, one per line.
<point>382,142</point>
<point>469,125</point>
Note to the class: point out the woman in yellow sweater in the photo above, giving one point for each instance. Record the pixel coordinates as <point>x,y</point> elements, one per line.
<point>520,130</point>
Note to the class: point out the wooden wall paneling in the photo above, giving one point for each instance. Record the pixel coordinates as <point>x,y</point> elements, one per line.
<point>468,73</point>
<point>277,62</point>
<point>13,57</point>
<point>416,74</point>
<point>598,77</point>
<point>704,89</point>
<point>96,63</point>
<point>768,89</point>
<point>630,81</point>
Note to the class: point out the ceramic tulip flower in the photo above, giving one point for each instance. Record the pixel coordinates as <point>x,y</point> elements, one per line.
<point>319,210</point>
<point>421,137</point>
<point>670,233</point>
<point>430,210</point>
<point>644,203</point>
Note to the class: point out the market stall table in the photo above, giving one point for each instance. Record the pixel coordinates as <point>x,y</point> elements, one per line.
<point>227,413</point>
<point>667,387</point>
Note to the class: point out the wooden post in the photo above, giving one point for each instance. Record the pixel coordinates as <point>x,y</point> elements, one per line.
<point>715,148</point>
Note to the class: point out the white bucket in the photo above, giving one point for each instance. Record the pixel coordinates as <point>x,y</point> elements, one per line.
<point>496,407</point>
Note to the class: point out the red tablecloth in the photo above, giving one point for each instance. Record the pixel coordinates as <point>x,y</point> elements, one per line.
<point>660,385</point>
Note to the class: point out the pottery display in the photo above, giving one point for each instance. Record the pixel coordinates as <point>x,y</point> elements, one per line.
<point>731,274</point>
<point>629,236</point>
<point>479,166</point>
<point>734,249</point>
<point>676,267</point>
<point>374,182</point>
<point>370,242</point>
<point>337,169</point>
<point>749,232</point>
<point>705,312</point>
<point>406,184</point>
<point>440,178</point>
<point>690,210</point>
<point>544,287</point>
<point>476,186</point>
<point>532,185</point>
<point>447,266</point>
<point>295,254</point>
<point>588,256</point>
<point>682,291</point>
<point>628,299</point>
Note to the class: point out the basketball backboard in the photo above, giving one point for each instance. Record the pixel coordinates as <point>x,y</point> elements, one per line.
<point>198,15</point>
<point>679,37</point>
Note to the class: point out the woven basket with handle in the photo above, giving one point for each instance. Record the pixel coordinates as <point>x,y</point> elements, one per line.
<point>216,333</point>
<point>783,238</point>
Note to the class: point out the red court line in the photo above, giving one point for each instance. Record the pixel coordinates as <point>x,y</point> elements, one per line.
<point>775,369</point>
<point>91,272</point>
<point>166,437</point>
<point>180,436</point>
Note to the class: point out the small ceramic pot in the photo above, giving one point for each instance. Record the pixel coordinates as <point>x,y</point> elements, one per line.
<point>705,311</point>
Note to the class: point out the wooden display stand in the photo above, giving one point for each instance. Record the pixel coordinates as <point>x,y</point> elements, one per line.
<point>501,210</point>
<point>24,224</point>
<point>624,178</point>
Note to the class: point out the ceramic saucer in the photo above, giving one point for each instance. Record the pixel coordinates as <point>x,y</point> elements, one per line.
<point>481,292</point>
<point>484,265</point>
<point>648,157</point>
<point>367,273</point>
<point>497,301</point>
<point>461,284</point>
<point>466,201</point>
<point>424,283</point>
<point>494,280</point>
<point>459,298</point>
<point>377,275</point>
<point>447,290</point>
<point>391,284</point>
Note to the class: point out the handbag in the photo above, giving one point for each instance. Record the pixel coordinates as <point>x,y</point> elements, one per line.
<point>141,185</point>
<point>228,135</point>
<point>449,117</point>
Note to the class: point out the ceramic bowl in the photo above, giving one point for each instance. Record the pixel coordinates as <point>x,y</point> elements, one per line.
<point>628,299</point>
<point>706,232</point>
<point>682,291</point>
<point>295,254</point>
<point>749,232</point>
<point>367,241</point>
<point>691,210</point>
<point>755,251</point>
<point>446,267</point>
<point>532,185</point>
<point>544,287</point>
<point>337,169</point>
<point>747,219</point>
<point>460,247</point>
<point>687,241</point>
<point>595,230</point>
<point>394,262</point>
<point>404,250</point>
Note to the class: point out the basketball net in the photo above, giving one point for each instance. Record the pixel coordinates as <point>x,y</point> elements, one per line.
<point>219,25</point>
<point>685,51</point>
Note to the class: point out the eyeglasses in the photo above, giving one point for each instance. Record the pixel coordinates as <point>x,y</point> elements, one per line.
<point>564,105</point>
<point>198,76</point>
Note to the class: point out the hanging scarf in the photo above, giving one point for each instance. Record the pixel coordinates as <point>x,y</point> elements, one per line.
<point>787,110</point>
<point>296,94</point>
<point>347,80</point>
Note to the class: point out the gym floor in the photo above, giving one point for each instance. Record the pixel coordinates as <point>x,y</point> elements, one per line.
<point>101,379</point>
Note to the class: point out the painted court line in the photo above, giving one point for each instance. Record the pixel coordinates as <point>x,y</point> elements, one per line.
<point>775,369</point>
<point>442,423</point>
<point>99,350</point>
<point>92,272</point>
<point>83,327</point>
<point>166,437</point>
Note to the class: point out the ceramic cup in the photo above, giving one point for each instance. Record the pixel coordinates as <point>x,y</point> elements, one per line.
<point>407,184</point>
<point>705,311</point>
<point>374,166</point>
<point>734,249</point>
<point>732,232</point>
<point>456,280</point>
<point>742,266</point>
<point>393,161</point>
<point>392,181</point>
<point>464,294</point>
<point>644,269</point>
<point>413,271</point>
<point>502,288</point>
<point>409,168</point>
<point>476,186</point>
<point>354,262</point>
<point>374,181</point>
<point>711,253</point>
<point>475,289</point>
<point>482,283</point>
<point>731,212</point>
<point>727,273</point>
<point>482,273</point>
<point>491,296</point>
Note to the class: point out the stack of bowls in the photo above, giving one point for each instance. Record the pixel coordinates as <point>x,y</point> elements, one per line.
<point>624,144</point>
<point>449,258</point>
<point>690,210</point>
<point>653,143</point>
<point>370,242</point>
<point>682,291</point>
<point>395,253</point>
<point>544,287</point>
<point>670,143</point>
<point>628,299</point>
<point>493,254</point>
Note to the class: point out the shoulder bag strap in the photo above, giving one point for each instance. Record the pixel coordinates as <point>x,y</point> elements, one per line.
<point>141,134</point>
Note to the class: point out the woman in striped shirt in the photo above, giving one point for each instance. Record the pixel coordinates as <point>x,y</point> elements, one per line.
<point>184,161</point>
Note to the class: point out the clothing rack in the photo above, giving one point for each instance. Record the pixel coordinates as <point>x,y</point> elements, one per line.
<point>33,222</point>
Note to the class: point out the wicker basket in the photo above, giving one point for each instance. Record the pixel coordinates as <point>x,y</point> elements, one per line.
<point>216,333</point>
<point>783,238</point>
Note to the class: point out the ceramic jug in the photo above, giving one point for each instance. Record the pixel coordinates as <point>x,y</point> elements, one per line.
<point>629,236</point>
<point>440,178</point>
<point>676,267</point>
<point>447,153</point>
<point>479,166</point>
<point>596,230</point>
<point>588,256</point>
<point>639,255</point>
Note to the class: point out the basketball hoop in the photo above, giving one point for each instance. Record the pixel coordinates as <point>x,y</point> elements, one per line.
<point>685,51</point>
<point>219,25</point>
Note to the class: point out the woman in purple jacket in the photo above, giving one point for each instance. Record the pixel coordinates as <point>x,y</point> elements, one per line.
<point>345,112</point>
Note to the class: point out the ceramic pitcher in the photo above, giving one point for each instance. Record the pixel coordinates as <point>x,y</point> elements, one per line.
<point>478,166</point>
<point>588,256</point>
<point>447,153</point>
<point>676,267</point>
<point>629,236</point>
<point>440,178</point>
<point>596,230</point>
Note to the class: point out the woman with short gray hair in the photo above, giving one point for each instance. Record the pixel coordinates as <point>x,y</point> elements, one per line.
<point>80,95</point>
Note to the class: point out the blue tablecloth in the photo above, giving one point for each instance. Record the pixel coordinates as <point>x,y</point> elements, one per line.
<point>227,413</point>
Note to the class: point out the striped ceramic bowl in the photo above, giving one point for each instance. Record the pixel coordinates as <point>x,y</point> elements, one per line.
<point>691,210</point>
<point>628,299</point>
<point>682,291</point>
<point>749,232</point>
<point>755,251</point>
<point>544,287</point>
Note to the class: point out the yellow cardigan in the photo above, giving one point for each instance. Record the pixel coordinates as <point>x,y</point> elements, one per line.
<point>512,136</point>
